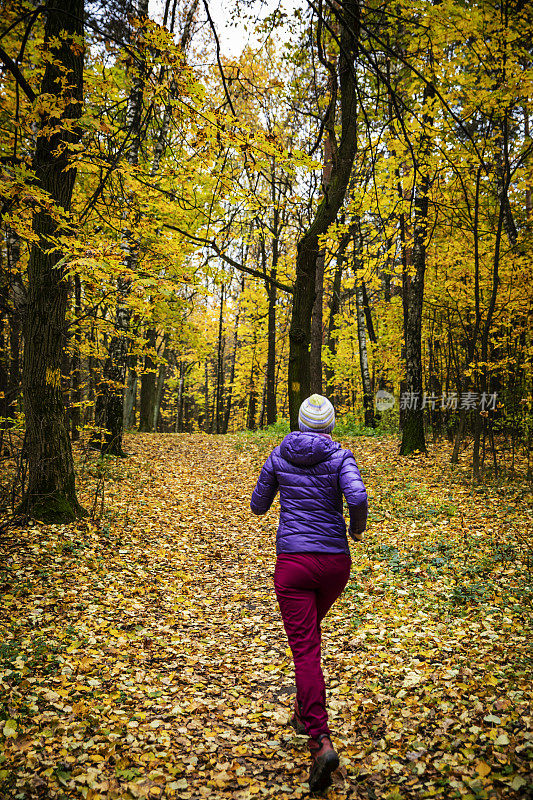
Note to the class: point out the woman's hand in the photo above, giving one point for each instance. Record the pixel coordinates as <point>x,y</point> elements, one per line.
<point>357,537</point>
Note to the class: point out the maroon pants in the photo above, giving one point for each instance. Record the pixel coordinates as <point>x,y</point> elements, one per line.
<point>307,585</point>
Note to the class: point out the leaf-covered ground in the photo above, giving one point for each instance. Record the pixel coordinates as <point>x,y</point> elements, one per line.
<point>143,654</point>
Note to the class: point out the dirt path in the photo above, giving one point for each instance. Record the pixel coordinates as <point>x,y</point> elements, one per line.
<point>145,656</point>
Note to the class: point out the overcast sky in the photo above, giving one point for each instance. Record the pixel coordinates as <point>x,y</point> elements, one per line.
<point>235,29</point>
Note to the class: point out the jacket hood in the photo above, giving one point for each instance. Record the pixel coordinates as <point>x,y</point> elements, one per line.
<point>307,449</point>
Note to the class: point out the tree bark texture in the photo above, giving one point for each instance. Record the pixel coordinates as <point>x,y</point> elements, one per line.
<point>271,406</point>
<point>368,404</point>
<point>413,437</point>
<point>233,359</point>
<point>317,332</point>
<point>130,395</point>
<point>110,401</point>
<point>299,377</point>
<point>160,383</point>
<point>148,380</point>
<point>207,421</point>
<point>75,373</point>
<point>334,307</point>
<point>315,356</point>
<point>220,365</point>
<point>13,298</point>
<point>251,423</point>
<point>50,494</point>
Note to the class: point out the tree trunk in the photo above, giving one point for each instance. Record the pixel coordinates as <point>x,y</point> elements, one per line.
<point>252,393</point>
<point>4,356</point>
<point>363,358</point>
<point>220,365</point>
<point>51,494</point>
<point>75,374</point>
<point>262,413</point>
<point>110,402</point>
<point>334,307</point>
<point>227,412</point>
<point>17,300</point>
<point>317,331</point>
<point>160,384</point>
<point>148,381</point>
<point>478,426</point>
<point>315,356</point>
<point>252,407</point>
<point>179,401</point>
<point>413,438</point>
<point>368,314</point>
<point>130,395</point>
<point>299,378</point>
<point>207,425</point>
<point>271,407</point>
<point>529,200</point>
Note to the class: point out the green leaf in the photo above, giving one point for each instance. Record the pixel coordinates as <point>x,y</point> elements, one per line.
<point>502,739</point>
<point>10,728</point>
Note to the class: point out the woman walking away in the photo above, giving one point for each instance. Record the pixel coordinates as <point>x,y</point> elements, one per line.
<point>312,472</point>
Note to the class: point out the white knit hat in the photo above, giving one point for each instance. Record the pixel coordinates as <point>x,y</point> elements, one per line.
<point>316,414</point>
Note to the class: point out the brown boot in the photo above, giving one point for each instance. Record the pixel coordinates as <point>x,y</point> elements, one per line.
<point>296,720</point>
<point>324,761</point>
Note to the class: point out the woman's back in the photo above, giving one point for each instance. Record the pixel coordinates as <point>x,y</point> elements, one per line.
<point>311,472</point>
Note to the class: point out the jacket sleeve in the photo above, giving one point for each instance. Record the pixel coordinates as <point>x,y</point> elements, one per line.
<point>266,488</point>
<point>353,488</point>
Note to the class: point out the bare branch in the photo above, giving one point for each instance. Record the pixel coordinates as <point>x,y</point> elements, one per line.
<point>228,260</point>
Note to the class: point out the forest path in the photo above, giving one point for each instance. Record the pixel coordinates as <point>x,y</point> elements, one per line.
<point>144,655</point>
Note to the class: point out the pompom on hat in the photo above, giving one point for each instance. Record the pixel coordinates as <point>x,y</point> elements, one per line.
<point>316,415</point>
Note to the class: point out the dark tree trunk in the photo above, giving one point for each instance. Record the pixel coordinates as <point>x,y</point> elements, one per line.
<point>406,254</point>
<point>17,300</point>
<point>233,360</point>
<point>180,400</point>
<point>262,413</point>
<point>315,356</point>
<point>148,381</point>
<point>485,334</point>
<point>251,423</point>
<point>13,388</point>
<point>299,377</point>
<point>160,384</point>
<point>110,401</point>
<point>4,357</point>
<point>50,493</point>
<point>252,407</point>
<point>220,365</point>
<point>368,403</point>
<point>317,331</point>
<point>271,407</point>
<point>334,306</point>
<point>368,314</point>
<point>75,373</point>
<point>270,387</point>
<point>529,198</point>
<point>472,342</point>
<point>130,394</point>
<point>12,296</point>
<point>207,421</point>
<point>413,438</point>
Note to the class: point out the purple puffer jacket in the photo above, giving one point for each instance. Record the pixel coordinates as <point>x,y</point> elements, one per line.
<point>312,472</point>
